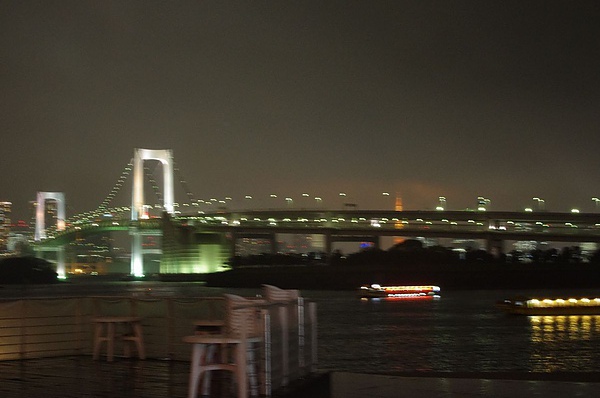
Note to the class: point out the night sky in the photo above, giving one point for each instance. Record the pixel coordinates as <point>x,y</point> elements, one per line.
<point>420,98</point>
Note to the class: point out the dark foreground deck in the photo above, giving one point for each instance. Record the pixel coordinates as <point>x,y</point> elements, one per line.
<point>80,376</point>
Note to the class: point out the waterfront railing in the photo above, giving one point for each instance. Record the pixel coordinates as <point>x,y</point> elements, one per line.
<point>50,327</point>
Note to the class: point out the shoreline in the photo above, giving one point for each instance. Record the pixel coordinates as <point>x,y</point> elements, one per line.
<point>350,278</point>
<point>447,277</point>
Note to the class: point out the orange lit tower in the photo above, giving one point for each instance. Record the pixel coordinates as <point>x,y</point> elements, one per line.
<point>398,224</point>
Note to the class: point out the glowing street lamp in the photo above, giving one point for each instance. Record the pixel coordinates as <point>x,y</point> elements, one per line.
<point>319,201</point>
<point>305,200</point>
<point>385,194</point>
<point>597,201</point>
<point>442,203</point>
<point>483,203</point>
<point>574,210</point>
<point>273,196</point>
<point>342,199</point>
<point>541,203</point>
<point>248,198</point>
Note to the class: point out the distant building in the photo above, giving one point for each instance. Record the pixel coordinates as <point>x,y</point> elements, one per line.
<point>19,237</point>
<point>5,211</point>
<point>483,204</point>
<point>398,225</point>
<point>50,214</point>
<point>317,243</point>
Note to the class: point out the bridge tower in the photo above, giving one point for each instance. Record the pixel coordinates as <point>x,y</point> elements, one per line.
<point>40,224</point>
<point>165,156</point>
<point>40,211</point>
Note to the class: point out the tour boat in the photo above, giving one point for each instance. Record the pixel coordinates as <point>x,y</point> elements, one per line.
<point>378,291</point>
<point>551,306</point>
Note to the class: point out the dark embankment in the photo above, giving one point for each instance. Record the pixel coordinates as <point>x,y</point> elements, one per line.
<point>456,276</point>
<point>25,270</point>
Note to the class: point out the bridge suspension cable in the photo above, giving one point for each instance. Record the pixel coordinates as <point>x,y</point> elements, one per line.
<point>106,203</point>
<point>184,184</point>
<point>155,186</point>
<point>117,187</point>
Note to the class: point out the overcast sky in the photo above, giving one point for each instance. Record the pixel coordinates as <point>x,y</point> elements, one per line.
<point>419,98</point>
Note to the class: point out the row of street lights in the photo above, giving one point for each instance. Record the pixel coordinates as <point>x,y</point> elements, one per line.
<point>541,205</point>
<point>306,201</point>
<point>483,204</point>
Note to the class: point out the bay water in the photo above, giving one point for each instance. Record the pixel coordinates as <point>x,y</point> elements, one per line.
<point>462,331</point>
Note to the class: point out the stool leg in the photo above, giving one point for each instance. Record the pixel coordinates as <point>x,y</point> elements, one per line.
<point>97,340</point>
<point>195,370</point>
<point>252,370</point>
<point>241,371</point>
<point>127,348</point>
<point>207,360</point>
<point>139,341</point>
<point>111,341</point>
<point>128,342</point>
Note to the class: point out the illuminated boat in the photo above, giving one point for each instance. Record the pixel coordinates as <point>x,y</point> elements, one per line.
<point>551,306</point>
<point>378,291</point>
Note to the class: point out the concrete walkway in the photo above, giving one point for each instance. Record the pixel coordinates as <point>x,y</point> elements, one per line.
<point>80,376</point>
<point>353,385</point>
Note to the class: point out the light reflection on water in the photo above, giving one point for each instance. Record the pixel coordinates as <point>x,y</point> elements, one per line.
<point>551,336</point>
<point>461,332</point>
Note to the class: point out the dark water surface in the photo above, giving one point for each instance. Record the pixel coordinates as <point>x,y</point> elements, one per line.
<point>460,332</point>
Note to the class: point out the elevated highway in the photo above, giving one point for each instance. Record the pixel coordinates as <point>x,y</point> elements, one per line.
<point>369,225</point>
<point>203,242</point>
<point>69,234</point>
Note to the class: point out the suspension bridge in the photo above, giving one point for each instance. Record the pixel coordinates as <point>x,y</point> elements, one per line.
<point>197,241</point>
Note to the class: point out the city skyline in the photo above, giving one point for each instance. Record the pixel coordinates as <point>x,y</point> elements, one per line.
<point>417,99</point>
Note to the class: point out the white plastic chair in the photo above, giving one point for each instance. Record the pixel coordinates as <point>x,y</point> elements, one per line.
<point>290,315</point>
<point>241,332</point>
<point>275,294</point>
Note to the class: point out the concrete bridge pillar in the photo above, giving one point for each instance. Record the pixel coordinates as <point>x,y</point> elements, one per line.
<point>376,242</point>
<point>232,244</point>
<point>165,157</point>
<point>137,256</point>
<point>59,259</point>
<point>495,246</point>
<point>273,243</point>
<point>328,243</point>
<point>60,263</point>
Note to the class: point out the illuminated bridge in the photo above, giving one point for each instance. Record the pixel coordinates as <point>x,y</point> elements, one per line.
<point>195,241</point>
<point>202,243</point>
<point>369,225</point>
